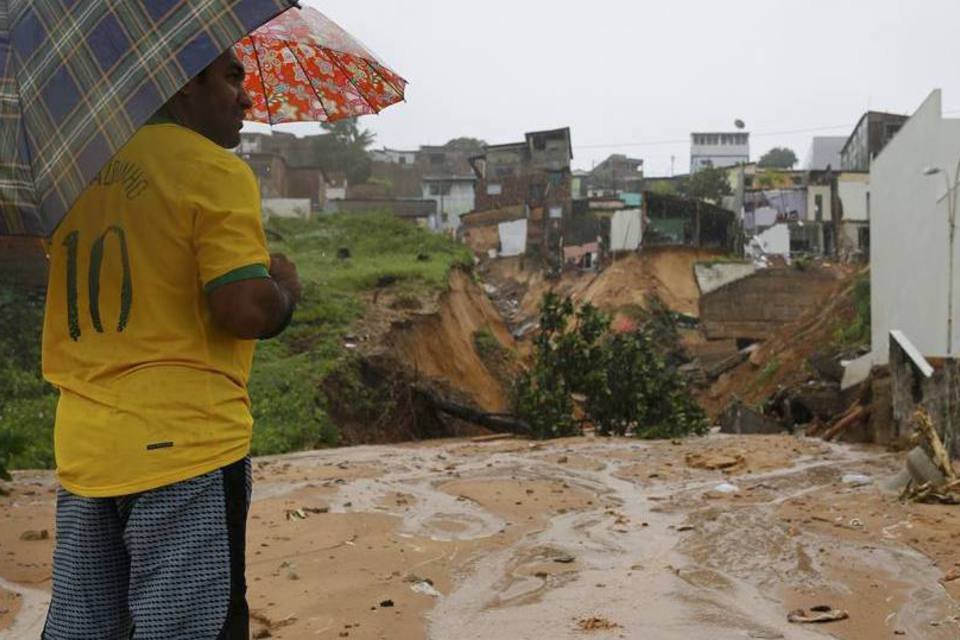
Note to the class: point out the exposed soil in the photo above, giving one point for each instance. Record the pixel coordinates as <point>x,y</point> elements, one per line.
<point>718,537</point>
<point>441,345</point>
<point>664,272</point>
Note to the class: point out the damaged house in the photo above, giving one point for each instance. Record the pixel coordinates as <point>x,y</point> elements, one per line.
<point>677,220</point>
<point>533,174</point>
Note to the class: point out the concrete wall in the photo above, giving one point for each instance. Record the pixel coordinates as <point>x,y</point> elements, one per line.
<point>775,241</point>
<point>826,210</point>
<point>626,230</point>
<point>713,275</point>
<point>286,207</point>
<point>909,234</point>
<point>757,306</point>
<point>854,192</point>
<point>911,390</point>
<point>513,237</point>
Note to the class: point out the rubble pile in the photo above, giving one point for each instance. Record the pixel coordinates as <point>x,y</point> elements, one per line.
<point>796,380</point>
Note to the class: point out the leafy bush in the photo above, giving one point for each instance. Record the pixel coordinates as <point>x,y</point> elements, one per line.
<point>627,384</point>
<point>857,333</point>
<point>486,344</point>
<point>27,402</point>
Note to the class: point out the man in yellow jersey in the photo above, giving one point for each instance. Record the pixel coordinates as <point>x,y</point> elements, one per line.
<point>160,282</point>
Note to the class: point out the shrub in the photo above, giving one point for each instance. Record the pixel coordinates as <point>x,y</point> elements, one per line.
<point>27,402</point>
<point>627,384</point>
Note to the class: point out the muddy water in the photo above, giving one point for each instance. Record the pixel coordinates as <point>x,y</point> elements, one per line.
<point>631,560</point>
<point>33,611</point>
<point>629,573</point>
<point>628,535</point>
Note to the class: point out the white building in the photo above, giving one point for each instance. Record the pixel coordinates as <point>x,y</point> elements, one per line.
<point>909,239</point>
<point>454,196</point>
<point>718,150</point>
<point>853,190</point>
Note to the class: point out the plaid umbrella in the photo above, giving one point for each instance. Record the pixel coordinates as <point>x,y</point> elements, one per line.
<point>302,67</point>
<point>78,77</point>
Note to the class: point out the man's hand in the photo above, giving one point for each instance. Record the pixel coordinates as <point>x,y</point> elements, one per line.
<point>284,272</point>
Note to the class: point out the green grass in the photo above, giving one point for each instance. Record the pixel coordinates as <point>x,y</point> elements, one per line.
<point>285,386</point>
<point>27,403</point>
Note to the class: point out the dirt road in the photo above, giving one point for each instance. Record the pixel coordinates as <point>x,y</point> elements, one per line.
<point>710,538</point>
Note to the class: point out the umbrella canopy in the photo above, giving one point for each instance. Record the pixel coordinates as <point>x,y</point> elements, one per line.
<point>77,78</point>
<point>301,67</point>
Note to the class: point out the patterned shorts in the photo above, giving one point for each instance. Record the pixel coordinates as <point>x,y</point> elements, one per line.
<point>166,564</point>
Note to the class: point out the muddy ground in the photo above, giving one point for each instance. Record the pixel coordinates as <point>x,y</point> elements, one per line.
<point>709,538</point>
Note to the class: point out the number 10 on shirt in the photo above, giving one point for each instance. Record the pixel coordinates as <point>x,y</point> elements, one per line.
<point>72,244</point>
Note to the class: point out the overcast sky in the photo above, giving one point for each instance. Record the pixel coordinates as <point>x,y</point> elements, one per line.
<point>636,76</point>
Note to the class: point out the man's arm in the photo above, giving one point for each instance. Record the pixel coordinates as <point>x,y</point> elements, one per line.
<point>260,307</point>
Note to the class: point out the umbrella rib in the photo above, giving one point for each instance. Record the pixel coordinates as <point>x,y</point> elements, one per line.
<point>384,78</point>
<point>263,81</point>
<point>332,55</point>
<point>309,79</point>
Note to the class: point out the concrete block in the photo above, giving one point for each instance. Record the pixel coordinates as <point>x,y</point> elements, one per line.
<point>856,371</point>
<point>922,469</point>
<point>741,420</point>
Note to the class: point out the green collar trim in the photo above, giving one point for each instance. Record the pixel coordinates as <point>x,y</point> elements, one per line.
<point>161,118</point>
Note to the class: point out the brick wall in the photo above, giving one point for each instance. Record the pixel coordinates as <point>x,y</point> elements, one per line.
<point>757,306</point>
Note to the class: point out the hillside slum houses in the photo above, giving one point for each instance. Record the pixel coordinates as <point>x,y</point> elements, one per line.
<point>530,203</point>
<point>880,194</point>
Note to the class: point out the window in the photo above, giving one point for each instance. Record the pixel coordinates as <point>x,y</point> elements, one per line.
<point>403,160</point>
<point>494,189</point>
<point>439,188</point>
<point>436,158</point>
<point>556,212</point>
<point>818,207</point>
<point>535,192</point>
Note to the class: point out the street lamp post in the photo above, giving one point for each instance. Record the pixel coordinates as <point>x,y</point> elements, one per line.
<point>951,198</point>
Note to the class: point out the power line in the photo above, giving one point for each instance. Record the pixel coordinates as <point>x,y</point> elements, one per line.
<point>761,134</point>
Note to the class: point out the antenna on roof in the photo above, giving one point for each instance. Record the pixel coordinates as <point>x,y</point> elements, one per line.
<point>739,124</point>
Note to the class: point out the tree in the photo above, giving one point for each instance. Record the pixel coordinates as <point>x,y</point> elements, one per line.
<point>626,384</point>
<point>349,133</point>
<point>778,158</point>
<point>466,144</point>
<point>345,149</point>
<point>707,184</point>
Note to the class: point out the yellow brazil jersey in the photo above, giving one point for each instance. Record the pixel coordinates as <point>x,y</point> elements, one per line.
<point>151,390</point>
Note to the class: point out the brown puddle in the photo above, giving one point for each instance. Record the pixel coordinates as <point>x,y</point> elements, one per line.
<point>712,538</point>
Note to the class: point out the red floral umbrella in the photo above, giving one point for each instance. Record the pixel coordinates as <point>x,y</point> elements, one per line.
<point>302,67</point>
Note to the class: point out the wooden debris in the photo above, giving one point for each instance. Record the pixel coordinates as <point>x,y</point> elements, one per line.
<point>494,437</point>
<point>924,424</point>
<point>853,416</point>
